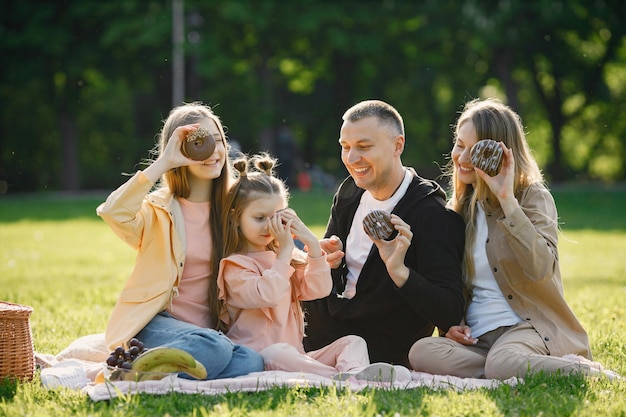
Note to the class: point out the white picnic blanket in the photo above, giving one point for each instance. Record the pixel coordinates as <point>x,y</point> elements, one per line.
<point>91,352</point>
<point>260,381</point>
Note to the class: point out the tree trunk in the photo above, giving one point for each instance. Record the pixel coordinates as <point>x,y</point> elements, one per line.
<point>556,168</point>
<point>70,180</point>
<point>503,66</point>
<point>267,129</point>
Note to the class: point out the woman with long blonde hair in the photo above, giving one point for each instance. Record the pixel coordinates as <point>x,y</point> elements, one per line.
<point>517,320</point>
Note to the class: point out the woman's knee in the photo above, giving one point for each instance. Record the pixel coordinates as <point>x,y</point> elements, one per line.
<point>422,353</point>
<point>504,363</point>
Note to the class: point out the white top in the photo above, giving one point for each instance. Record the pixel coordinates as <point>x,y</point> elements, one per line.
<point>358,243</point>
<point>488,309</point>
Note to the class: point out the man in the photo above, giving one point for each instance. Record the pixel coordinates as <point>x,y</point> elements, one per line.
<point>394,292</point>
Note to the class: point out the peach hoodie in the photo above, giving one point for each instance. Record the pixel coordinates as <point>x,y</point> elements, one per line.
<point>262,297</point>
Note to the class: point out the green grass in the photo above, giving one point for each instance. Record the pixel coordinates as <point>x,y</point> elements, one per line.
<point>60,258</point>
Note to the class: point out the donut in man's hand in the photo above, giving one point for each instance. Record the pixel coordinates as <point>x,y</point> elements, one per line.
<point>199,144</point>
<point>486,154</point>
<point>377,224</point>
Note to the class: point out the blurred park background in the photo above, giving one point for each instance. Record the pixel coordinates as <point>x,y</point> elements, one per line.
<point>85,84</point>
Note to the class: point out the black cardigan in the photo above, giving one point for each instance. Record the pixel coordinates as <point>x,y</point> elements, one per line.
<point>389,318</point>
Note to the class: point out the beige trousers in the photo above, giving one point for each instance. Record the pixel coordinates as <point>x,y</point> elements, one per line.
<point>346,354</point>
<point>501,353</point>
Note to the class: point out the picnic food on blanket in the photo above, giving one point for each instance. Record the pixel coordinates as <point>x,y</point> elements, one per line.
<point>168,359</point>
<point>486,154</point>
<point>377,224</point>
<point>99,379</point>
<point>122,358</point>
<point>198,145</point>
<point>139,364</point>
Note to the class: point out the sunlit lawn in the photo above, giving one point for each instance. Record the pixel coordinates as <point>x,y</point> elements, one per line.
<point>62,260</point>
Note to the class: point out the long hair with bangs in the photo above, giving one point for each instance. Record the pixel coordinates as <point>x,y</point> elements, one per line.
<point>492,120</point>
<point>176,181</point>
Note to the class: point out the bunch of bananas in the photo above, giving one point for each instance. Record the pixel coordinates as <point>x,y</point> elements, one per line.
<point>168,359</point>
<point>157,362</point>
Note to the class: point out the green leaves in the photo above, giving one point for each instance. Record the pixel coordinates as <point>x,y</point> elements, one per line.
<point>106,69</point>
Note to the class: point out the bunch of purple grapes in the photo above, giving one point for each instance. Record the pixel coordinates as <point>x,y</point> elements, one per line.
<point>122,358</point>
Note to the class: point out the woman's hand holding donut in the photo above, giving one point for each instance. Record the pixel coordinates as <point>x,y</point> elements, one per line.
<point>501,185</point>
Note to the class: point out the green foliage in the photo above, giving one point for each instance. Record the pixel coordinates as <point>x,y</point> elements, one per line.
<point>91,104</point>
<point>102,82</point>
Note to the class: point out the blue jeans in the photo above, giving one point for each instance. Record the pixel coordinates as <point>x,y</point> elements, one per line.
<point>220,356</point>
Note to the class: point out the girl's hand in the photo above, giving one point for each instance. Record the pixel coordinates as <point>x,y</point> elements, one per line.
<point>462,335</point>
<point>172,152</point>
<point>171,157</point>
<point>393,252</point>
<point>301,231</point>
<point>281,231</point>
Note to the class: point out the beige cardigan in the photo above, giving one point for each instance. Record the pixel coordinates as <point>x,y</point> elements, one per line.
<point>144,221</point>
<point>523,255</point>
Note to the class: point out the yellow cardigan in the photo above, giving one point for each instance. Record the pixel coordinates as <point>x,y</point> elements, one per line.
<point>152,224</point>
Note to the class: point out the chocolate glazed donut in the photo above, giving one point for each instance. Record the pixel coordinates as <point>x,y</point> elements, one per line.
<point>486,154</point>
<point>199,145</point>
<point>377,224</point>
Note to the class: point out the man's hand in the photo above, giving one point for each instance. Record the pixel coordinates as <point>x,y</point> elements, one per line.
<point>393,252</point>
<point>334,251</point>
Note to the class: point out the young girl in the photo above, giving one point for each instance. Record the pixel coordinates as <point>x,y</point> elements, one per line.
<point>263,277</point>
<point>517,320</point>
<point>170,298</point>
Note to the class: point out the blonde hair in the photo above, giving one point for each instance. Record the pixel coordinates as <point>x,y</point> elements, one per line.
<point>176,181</point>
<point>492,120</point>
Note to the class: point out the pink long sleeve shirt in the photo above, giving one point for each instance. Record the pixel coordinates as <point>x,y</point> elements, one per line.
<point>262,297</point>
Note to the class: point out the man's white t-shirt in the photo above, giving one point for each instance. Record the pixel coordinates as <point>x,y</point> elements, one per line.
<point>358,243</point>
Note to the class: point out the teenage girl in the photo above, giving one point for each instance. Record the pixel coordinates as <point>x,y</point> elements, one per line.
<point>170,298</point>
<point>263,277</point>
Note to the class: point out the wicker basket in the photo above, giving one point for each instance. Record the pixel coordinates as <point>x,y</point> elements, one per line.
<point>17,354</point>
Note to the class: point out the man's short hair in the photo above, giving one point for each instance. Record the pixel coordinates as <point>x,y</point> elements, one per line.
<point>385,112</point>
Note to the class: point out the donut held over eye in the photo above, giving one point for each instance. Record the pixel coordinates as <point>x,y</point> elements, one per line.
<point>199,144</point>
<point>377,224</point>
<point>486,154</point>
